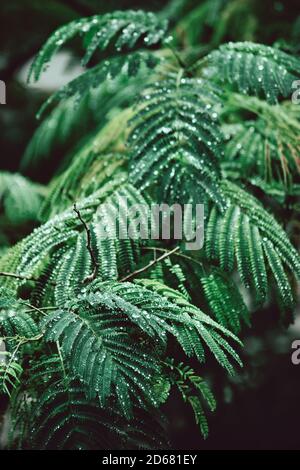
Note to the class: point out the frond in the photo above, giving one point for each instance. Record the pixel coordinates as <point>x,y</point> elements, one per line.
<point>268,147</point>
<point>245,240</point>
<point>121,29</point>
<point>205,328</point>
<point>194,391</point>
<point>78,88</point>
<point>65,420</point>
<point>50,411</point>
<point>55,254</point>
<point>255,69</point>
<point>103,356</point>
<point>10,372</point>
<point>176,141</point>
<point>225,301</point>
<point>20,198</point>
<point>96,335</point>
<point>205,286</point>
<point>16,322</point>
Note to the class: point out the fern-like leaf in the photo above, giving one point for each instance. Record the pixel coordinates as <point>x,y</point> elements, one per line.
<point>10,371</point>
<point>122,29</point>
<point>251,232</point>
<point>176,141</point>
<point>20,198</point>
<point>194,391</point>
<point>256,69</point>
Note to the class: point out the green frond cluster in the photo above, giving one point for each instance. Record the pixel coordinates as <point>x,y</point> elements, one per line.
<point>260,147</point>
<point>109,69</point>
<point>250,237</point>
<point>20,198</point>
<point>64,420</point>
<point>122,29</point>
<point>10,372</point>
<point>201,326</point>
<point>256,69</point>
<point>62,417</point>
<point>94,334</point>
<point>194,390</point>
<point>17,323</point>
<point>97,327</point>
<point>176,140</point>
<point>63,270</point>
<point>225,301</point>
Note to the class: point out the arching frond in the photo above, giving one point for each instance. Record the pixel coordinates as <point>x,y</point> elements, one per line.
<point>95,338</point>
<point>243,234</point>
<point>10,371</point>
<point>194,391</point>
<point>176,141</point>
<point>60,417</point>
<point>225,301</point>
<point>21,199</point>
<point>109,69</point>
<point>122,29</point>
<point>256,69</point>
<point>98,162</point>
<point>208,332</point>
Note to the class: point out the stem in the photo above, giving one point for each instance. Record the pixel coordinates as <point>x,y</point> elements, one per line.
<point>149,265</point>
<point>32,307</point>
<point>180,255</point>
<point>95,263</point>
<point>17,276</point>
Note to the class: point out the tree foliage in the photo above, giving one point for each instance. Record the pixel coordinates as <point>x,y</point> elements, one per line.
<point>99,331</point>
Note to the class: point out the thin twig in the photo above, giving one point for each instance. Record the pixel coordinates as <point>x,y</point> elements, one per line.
<point>149,265</point>
<point>95,263</point>
<point>33,307</point>
<point>17,276</point>
<point>22,278</point>
<point>181,255</point>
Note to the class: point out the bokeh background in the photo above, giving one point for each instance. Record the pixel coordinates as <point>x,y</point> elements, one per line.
<point>260,407</point>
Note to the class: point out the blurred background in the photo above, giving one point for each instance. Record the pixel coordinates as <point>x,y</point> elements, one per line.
<point>260,407</point>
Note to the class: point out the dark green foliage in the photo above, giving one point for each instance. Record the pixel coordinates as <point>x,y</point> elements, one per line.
<point>123,29</point>
<point>20,198</point>
<point>256,69</point>
<point>194,391</point>
<point>97,329</point>
<point>245,234</point>
<point>109,69</point>
<point>64,420</point>
<point>176,140</point>
<point>10,371</point>
<point>225,301</point>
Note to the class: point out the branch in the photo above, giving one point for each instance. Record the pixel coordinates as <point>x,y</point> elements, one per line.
<point>23,278</point>
<point>149,265</point>
<point>17,276</point>
<point>95,263</point>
